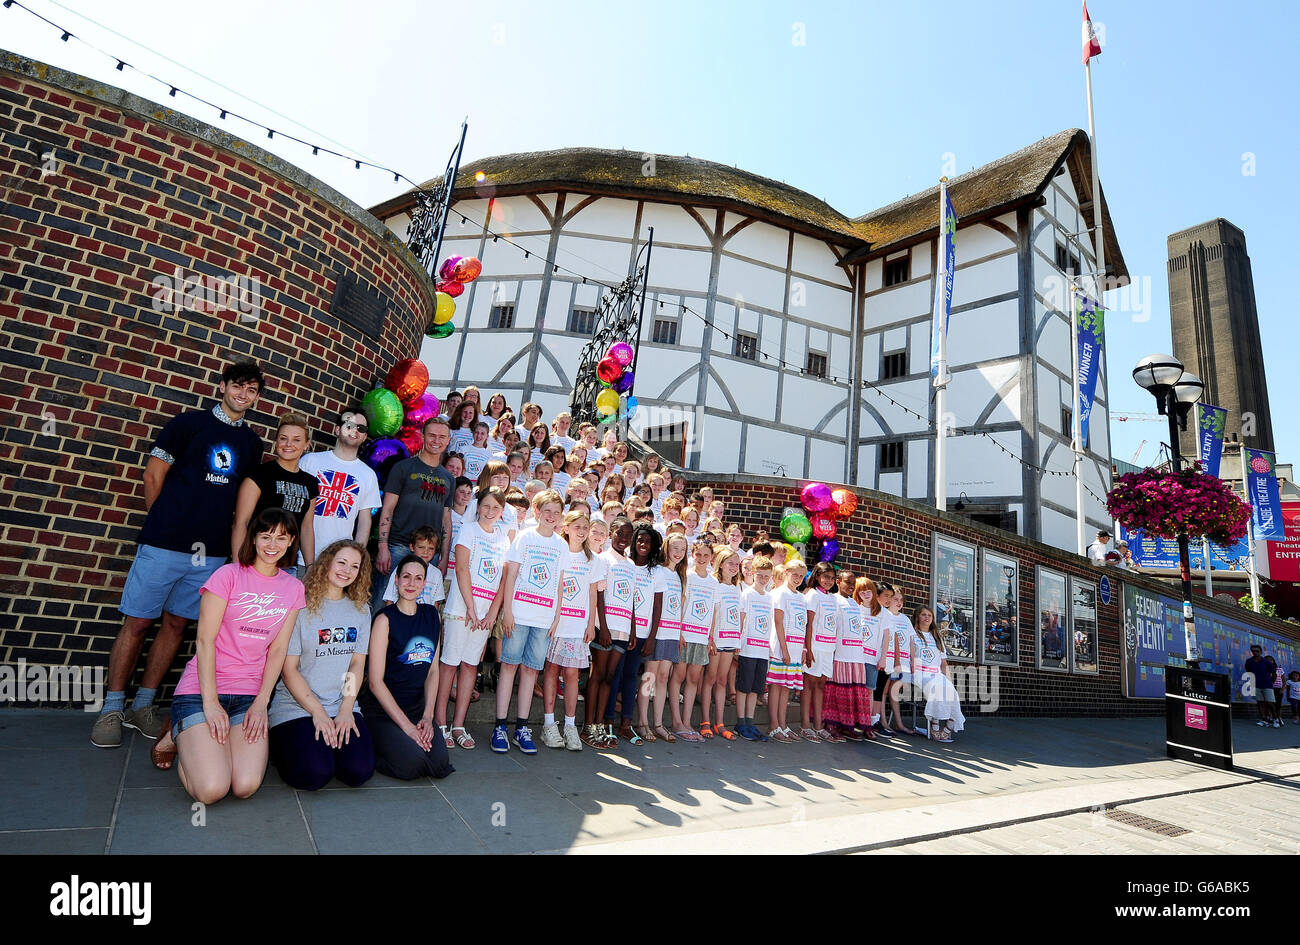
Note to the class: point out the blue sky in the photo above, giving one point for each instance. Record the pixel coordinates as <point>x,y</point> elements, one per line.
<point>855,102</point>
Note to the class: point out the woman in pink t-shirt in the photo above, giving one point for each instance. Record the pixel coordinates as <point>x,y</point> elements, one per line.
<point>246,616</point>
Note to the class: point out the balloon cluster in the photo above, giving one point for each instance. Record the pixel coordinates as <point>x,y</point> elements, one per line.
<point>454,274</point>
<point>396,414</point>
<point>615,372</point>
<point>822,508</point>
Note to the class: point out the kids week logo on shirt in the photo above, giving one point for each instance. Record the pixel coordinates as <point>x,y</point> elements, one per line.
<point>487,570</point>
<point>699,608</point>
<point>569,587</point>
<point>622,588</point>
<point>733,613</point>
<point>539,575</point>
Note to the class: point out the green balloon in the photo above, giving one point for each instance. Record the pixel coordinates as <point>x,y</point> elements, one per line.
<point>445,330</point>
<point>383,410</point>
<point>795,527</point>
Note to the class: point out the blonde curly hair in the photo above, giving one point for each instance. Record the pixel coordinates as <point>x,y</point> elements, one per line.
<point>316,580</point>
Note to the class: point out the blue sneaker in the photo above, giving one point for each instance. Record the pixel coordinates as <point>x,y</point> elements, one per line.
<point>524,740</point>
<point>758,735</point>
<point>500,742</point>
<point>748,733</point>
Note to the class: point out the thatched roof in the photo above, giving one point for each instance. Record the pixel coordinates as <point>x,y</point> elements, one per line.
<point>675,179</point>
<point>988,191</point>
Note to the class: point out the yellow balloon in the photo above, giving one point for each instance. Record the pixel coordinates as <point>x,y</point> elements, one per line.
<point>446,309</point>
<point>606,402</point>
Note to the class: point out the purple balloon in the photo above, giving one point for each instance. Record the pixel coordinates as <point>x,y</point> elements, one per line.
<point>830,548</point>
<point>422,409</point>
<point>621,352</point>
<point>384,455</point>
<point>817,497</point>
<point>624,383</point>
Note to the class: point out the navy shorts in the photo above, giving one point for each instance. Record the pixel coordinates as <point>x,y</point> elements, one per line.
<point>751,675</point>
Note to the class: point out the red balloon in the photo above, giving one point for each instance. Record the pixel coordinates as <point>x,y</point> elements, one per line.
<point>466,269</point>
<point>454,289</point>
<point>823,526</point>
<point>845,502</point>
<point>609,370</point>
<point>412,439</point>
<point>408,379</point>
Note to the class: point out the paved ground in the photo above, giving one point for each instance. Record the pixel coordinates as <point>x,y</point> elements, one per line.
<point>58,794</point>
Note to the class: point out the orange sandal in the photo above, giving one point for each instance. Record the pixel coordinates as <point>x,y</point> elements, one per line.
<point>706,730</point>
<point>723,732</point>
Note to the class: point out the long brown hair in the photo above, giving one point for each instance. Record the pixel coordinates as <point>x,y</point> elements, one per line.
<point>934,626</point>
<point>719,558</point>
<point>316,580</point>
<point>269,520</point>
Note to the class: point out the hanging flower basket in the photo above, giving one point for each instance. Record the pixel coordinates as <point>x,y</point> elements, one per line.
<point>1166,504</point>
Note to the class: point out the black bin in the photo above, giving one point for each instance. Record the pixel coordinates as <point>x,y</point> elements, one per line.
<point>1198,716</point>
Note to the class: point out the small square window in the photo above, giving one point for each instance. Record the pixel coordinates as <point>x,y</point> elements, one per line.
<point>582,321</point>
<point>665,332</point>
<point>1067,423</point>
<point>891,456</point>
<point>893,364</point>
<point>502,316</point>
<point>746,347</point>
<point>1066,261</point>
<point>897,270</point>
<point>816,365</point>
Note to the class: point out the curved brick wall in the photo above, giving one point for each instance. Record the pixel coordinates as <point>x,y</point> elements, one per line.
<point>90,371</point>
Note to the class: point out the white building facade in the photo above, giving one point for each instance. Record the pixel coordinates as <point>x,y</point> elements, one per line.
<point>776,330</point>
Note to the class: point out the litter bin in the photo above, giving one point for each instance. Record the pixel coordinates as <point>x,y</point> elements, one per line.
<point>1198,716</point>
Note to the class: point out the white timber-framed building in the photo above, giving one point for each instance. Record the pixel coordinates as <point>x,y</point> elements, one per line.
<point>802,322</point>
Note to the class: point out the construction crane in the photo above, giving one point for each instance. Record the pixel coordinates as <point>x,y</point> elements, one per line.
<point>1143,417</point>
<point>1138,452</point>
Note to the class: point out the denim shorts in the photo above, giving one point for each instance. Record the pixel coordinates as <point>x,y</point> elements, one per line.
<point>162,580</point>
<point>527,645</point>
<point>187,710</point>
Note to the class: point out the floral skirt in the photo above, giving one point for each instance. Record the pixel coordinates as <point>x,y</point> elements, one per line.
<point>848,697</point>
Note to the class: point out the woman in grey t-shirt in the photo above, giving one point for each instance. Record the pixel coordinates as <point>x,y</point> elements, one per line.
<point>317,731</point>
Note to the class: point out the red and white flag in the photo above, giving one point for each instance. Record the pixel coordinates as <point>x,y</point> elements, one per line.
<point>1091,47</point>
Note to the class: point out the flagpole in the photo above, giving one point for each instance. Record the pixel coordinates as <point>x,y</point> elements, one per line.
<point>941,379</point>
<point>1077,431</point>
<point>1206,562</point>
<point>1250,535</point>
<point>1099,276</point>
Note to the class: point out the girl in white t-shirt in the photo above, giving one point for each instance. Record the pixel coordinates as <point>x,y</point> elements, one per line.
<point>560,430</point>
<point>942,705</point>
<point>476,454</point>
<point>667,649</point>
<point>898,659</point>
<point>819,651</point>
<point>471,610</point>
<point>613,630</point>
<point>726,629</point>
<point>785,668</point>
<point>571,638</point>
<point>847,709</point>
<point>495,475</point>
<point>651,581</point>
<point>697,640</point>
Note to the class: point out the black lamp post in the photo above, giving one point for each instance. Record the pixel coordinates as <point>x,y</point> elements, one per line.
<point>1175,391</point>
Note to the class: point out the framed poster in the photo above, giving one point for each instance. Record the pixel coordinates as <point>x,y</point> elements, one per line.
<point>1083,625</point>
<point>999,608</point>
<point>952,596</point>
<point>1051,638</point>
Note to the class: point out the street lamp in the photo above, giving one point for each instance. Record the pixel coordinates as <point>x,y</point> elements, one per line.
<point>1175,391</point>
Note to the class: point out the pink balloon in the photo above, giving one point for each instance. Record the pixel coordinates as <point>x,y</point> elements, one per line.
<point>421,410</point>
<point>816,497</point>
<point>447,271</point>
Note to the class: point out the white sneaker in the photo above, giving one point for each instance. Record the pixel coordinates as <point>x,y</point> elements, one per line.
<point>1277,724</point>
<point>571,739</point>
<point>551,736</point>
<point>1262,723</point>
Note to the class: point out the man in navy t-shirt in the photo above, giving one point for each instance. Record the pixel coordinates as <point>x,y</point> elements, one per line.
<point>191,482</point>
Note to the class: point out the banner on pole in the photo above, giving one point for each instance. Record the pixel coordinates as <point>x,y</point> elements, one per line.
<point>1210,421</point>
<point>1090,318</point>
<point>943,287</point>
<point>1262,492</point>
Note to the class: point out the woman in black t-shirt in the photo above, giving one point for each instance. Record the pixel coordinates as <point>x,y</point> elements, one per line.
<point>280,484</point>
<point>402,685</point>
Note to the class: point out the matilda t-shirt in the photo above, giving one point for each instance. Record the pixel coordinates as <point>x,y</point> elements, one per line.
<point>619,577</point>
<point>728,616</point>
<point>324,640</point>
<point>697,616</point>
<point>343,489</point>
<point>580,573</point>
<point>483,555</point>
<point>756,637</point>
<point>256,608</point>
<point>537,585</point>
<point>295,492</point>
<point>208,458</point>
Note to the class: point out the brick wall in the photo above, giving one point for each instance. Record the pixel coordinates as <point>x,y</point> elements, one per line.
<point>90,371</point>
<point>891,538</point>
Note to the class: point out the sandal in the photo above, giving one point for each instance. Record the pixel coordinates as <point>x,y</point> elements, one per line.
<point>630,734</point>
<point>706,730</point>
<point>447,739</point>
<point>723,732</point>
<point>688,735</point>
<point>666,735</point>
<point>464,739</point>
<point>162,758</point>
<point>810,735</point>
<point>647,734</point>
<point>828,736</point>
<point>609,738</point>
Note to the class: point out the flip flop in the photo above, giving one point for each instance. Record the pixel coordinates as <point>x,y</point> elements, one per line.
<point>687,735</point>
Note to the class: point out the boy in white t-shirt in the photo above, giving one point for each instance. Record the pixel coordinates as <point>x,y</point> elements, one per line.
<point>531,610</point>
<point>757,621</point>
<point>424,545</point>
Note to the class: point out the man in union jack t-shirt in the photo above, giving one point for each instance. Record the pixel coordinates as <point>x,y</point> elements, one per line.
<point>349,489</point>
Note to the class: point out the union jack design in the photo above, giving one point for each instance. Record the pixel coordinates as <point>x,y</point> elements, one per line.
<point>339,493</point>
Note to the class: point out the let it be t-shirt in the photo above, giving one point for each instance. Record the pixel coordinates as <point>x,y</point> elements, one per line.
<point>343,489</point>
<point>256,608</point>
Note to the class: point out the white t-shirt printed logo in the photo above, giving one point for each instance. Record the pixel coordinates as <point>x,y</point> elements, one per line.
<point>539,575</point>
